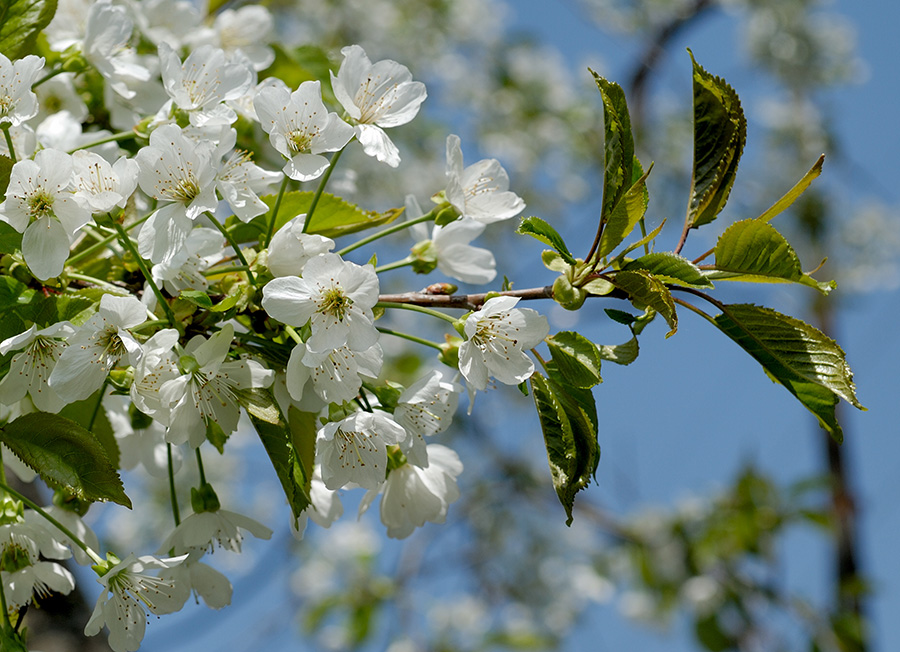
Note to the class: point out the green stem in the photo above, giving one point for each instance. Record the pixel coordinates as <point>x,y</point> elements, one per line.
<point>97,559</point>
<point>104,242</point>
<point>321,188</point>
<point>225,270</point>
<point>7,625</point>
<point>93,280</point>
<point>397,264</point>
<point>200,466</point>
<point>391,229</point>
<point>293,334</point>
<point>173,497</point>
<point>411,338</point>
<point>234,245</point>
<point>275,209</point>
<point>128,244</point>
<point>50,75</point>
<point>122,135</point>
<point>12,155</point>
<point>97,406</point>
<point>415,308</point>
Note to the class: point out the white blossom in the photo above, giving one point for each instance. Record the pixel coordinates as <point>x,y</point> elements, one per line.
<point>203,580</point>
<point>172,22</point>
<point>334,295</point>
<point>107,33</point>
<point>30,370</point>
<point>497,336</point>
<point>129,591</point>
<point>97,346</point>
<point>290,248</point>
<point>425,408</point>
<point>18,102</point>
<point>245,30</point>
<point>376,96</point>
<point>201,531</point>
<point>202,248</point>
<point>176,170</point>
<point>203,82</point>
<point>58,94</point>
<point>355,449</point>
<point>100,185</point>
<point>336,374</point>
<point>413,494</point>
<point>480,191</point>
<point>300,128</point>
<point>239,180</point>
<point>206,390</point>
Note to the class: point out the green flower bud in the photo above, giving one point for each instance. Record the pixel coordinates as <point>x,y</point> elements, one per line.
<point>567,295</point>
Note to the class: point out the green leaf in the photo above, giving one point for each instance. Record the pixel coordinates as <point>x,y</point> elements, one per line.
<point>291,449</point>
<point>618,145</point>
<point>197,298</point>
<point>647,291</point>
<point>623,354</point>
<point>65,455</point>
<point>620,316</point>
<point>791,196</point>
<point>640,243</point>
<point>538,228</point>
<point>552,261</point>
<point>627,212</point>
<point>333,217</point>
<point>807,362</point>
<point>754,251</point>
<point>671,268</point>
<point>720,131</point>
<point>20,23</point>
<point>570,435</point>
<point>577,358</point>
<point>6,166</point>
<point>90,415</point>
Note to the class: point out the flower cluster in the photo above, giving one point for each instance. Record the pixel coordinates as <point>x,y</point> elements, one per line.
<point>163,282</point>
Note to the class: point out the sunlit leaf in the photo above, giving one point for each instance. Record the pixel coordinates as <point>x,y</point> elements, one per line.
<point>20,23</point>
<point>791,195</point>
<point>671,268</point>
<point>627,212</point>
<point>539,229</point>
<point>577,358</point>
<point>618,145</point>
<point>645,290</point>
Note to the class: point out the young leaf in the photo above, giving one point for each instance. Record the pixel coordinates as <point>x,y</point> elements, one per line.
<point>647,291</point>
<point>65,455</point>
<point>538,228</point>
<point>197,297</point>
<point>279,441</point>
<point>640,243</point>
<point>623,354</point>
<point>671,268</point>
<point>6,166</point>
<point>618,145</point>
<point>806,361</point>
<point>20,23</point>
<point>570,435</point>
<point>577,358</point>
<point>754,251</point>
<point>791,196</point>
<point>720,131</point>
<point>627,212</point>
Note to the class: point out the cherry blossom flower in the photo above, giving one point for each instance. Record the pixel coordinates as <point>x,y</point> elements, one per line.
<point>30,370</point>
<point>18,102</point>
<point>201,579</point>
<point>376,96</point>
<point>206,390</point>
<point>157,365</point>
<point>336,374</point>
<point>24,142</point>
<point>425,408</point>
<point>334,295</point>
<point>480,191</point>
<point>167,21</point>
<point>300,128</point>
<point>106,35</point>
<point>58,94</point>
<point>177,170</point>
<point>497,336</point>
<point>290,248</point>
<point>100,185</point>
<point>40,205</point>
<point>129,591</point>
<point>448,247</point>
<point>147,445</point>
<point>413,494</point>
<point>202,248</point>
<point>239,180</point>
<point>203,82</point>
<point>201,531</point>
<point>74,523</point>
<point>97,346</point>
<point>355,449</point>
<point>246,30</point>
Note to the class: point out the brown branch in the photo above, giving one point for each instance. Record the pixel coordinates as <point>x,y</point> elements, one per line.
<point>463,301</point>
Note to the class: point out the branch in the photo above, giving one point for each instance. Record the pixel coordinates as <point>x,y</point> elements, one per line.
<point>464,301</point>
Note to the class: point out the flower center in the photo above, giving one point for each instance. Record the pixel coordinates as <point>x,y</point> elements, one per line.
<point>334,302</point>
<point>185,189</point>
<point>299,140</point>
<point>40,203</point>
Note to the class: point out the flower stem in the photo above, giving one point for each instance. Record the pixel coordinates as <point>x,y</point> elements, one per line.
<point>93,280</point>
<point>105,241</point>
<point>293,334</point>
<point>275,209</point>
<point>128,244</point>
<point>225,270</point>
<point>50,75</point>
<point>97,406</point>
<point>234,245</point>
<point>397,264</point>
<point>12,154</point>
<point>321,188</point>
<point>173,497</point>
<point>415,308</point>
<point>90,552</point>
<point>391,229</point>
<point>122,135</point>
<point>411,338</point>
<point>200,466</point>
